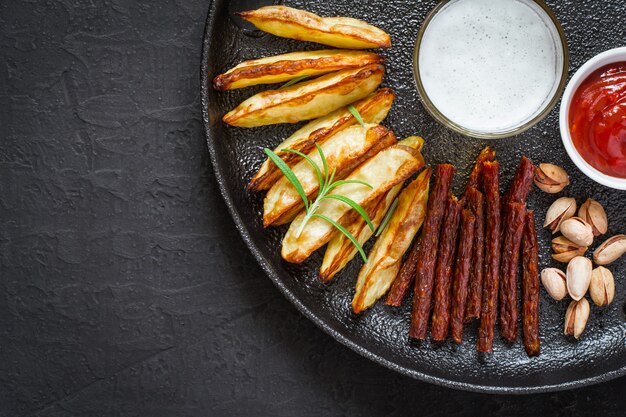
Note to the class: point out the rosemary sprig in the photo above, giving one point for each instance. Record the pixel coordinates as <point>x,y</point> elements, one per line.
<point>294,80</point>
<point>327,183</point>
<point>356,115</point>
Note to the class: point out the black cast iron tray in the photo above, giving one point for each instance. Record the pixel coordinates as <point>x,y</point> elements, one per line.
<point>380,334</point>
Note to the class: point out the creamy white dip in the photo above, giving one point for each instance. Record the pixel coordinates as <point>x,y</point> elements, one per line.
<point>490,65</point>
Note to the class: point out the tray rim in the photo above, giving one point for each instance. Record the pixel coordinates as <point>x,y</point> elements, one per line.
<point>269,270</point>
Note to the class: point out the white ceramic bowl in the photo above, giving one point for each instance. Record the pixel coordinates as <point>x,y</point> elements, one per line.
<point>605,58</point>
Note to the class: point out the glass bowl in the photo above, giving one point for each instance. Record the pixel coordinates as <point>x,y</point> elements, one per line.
<point>561,70</point>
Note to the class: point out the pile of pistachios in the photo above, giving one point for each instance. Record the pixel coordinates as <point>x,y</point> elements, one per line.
<point>577,234</point>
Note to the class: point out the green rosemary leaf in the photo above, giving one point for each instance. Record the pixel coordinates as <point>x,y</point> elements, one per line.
<point>356,114</point>
<point>324,163</point>
<point>342,182</point>
<point>294,80</point>
<point>387,217</point>
<point>320,178</point>
<point>346,233</point>
<point>332,177</point>
<point>352,204</point>
<point>288,173</point>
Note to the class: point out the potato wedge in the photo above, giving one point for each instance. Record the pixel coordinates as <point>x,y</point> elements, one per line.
<point>383,264</point>
<point>373,109</point>
<point>383,171</point>
<point>340,249</point>
<point>285,67</point>
<point>348,156</point>
<point>308,99</point>
<point>344,151</point>
<point>415,142</point>
<point>340,32</point>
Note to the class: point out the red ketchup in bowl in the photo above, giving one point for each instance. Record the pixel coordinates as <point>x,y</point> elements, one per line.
<point>597,119</point>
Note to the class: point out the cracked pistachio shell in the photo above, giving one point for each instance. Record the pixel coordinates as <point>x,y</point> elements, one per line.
<point>554,282</point>
<point>562,209</point>
<point>551,178</point>
<point>578,231</point>
<point>576,318</point>
<point>593,213</point>
<point>613,248</point>
<point>578,277</point>
<point>565,250</point>
<point>602,286</point>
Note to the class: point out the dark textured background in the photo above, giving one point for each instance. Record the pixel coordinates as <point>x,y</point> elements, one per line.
<point>125,289</point>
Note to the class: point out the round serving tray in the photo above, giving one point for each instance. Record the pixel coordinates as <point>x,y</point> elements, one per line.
<point>380,334</point>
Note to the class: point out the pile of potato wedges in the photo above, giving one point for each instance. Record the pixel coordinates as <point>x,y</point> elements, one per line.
<point>320,82</point>
<point>326,88</point>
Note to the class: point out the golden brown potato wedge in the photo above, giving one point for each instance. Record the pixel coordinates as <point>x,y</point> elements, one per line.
<point>373,109</point>
<point>282,68</point>
<point>340,32</point>
<point>344,164</point>
<point>383,171</point>
<point>344,151</point>
<point>308,99</point>
<point>383,263</point>
<point>340,249</point>
<point>351,148</point>
<point>415,142</point>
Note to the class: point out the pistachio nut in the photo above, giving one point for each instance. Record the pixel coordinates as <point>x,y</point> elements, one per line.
<point>578,231</point>
<point>564,249</point>
<point>562,209</point>
<point>576,318</point>
<point>602,286</point>
<point>610,250</point>
<point>578,277</point>
<point>551,178</point>
<point>593,213</point>
<point>553,281</point>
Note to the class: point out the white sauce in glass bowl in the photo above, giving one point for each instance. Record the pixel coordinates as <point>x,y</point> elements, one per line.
<point>490,65</point>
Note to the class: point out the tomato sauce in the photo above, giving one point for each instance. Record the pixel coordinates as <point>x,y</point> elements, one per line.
<point>597,119</point>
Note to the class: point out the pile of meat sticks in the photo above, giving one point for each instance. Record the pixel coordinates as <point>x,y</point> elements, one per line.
<point>465,263</point>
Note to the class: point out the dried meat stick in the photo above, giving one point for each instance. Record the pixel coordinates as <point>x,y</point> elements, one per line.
<point>522,182</point>
<point>404,280</point>
<point>511,241</point>
<point>443,272</point>
<point>475,176</point>
<point>512,228</point>
<point>520,186</point>
<point>462,270</point>
<point>474,201</point>
<point>530,286</point>
<point>489,309</point>
<point>427,255</point>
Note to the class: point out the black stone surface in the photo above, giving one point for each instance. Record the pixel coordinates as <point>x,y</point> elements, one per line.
<point>125,289</point>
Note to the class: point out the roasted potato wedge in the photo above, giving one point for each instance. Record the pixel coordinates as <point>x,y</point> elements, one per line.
<point>308,99</point>
<point>383,171</point>
<point>373,109</point>
<point>344,151</point>
<point>340,32</point>
<point>340,249</point>
<point>415,142</point>
<point>383,264</point>
<point>282,68</point>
